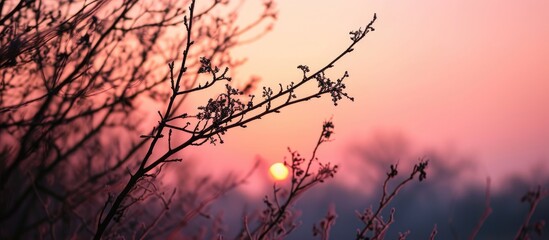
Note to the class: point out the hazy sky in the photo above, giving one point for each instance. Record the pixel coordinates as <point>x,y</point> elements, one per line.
<point>468,77</point>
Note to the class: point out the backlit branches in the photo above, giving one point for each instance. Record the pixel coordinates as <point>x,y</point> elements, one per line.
<point>372,219</point>
<point>277,219</point>
<point>227,111</point>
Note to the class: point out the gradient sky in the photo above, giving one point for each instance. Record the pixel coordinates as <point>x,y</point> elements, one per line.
<point>460,76</point>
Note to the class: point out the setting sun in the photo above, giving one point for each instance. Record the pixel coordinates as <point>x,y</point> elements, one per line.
<point>278,171</point>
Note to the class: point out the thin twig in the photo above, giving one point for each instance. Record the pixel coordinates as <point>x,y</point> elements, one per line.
<point>485,214</point>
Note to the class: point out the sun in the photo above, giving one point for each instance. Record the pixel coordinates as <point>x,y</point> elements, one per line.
<point>279,171</point>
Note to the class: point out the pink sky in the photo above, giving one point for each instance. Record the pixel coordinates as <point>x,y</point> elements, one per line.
<point>469,75</point>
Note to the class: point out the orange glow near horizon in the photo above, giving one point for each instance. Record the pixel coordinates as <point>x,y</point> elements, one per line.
<point>466,77</point>
<point>279,171</point>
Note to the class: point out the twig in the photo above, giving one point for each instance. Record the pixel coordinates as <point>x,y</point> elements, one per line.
<point>485,214</point>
